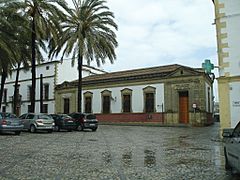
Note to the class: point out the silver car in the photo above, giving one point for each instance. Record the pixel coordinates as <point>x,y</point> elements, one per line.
<point>10,123</point>
<point>231,139</point>
<point>37,121</point>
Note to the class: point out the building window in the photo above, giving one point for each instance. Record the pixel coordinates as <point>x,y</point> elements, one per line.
<point>66,107</point>
<point>208,99</point>
<point>47,67</point>
<point>149,102</point>
<point>45,108</point>
<point>126,100</point>
<point>29,92</point>
<point>106,101</point>
<point>5,96</point>
<point>126,103</point>
<point>88,102</point>
<point>4,109</point>
<point>106,104</point>
<point>46,92</point>
<point>149,99</point>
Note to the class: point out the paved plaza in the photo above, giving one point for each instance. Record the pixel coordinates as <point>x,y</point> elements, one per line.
<point>116,153</point>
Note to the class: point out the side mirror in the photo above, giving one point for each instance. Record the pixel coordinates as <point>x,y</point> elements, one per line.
<point>227,133</point>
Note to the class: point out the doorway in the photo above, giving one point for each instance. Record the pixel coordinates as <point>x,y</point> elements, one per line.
<point>183,107</point>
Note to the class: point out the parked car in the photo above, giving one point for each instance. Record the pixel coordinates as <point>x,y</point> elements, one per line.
<point>37,121</point>
<point>85,121</point>
<point>10,123</point>
<point>63,121</point>
<point>231,139</point>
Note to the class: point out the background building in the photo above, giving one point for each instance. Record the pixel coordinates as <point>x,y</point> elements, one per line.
<point>53,73</point>
<point>227,20</point>
<point>170,94</point>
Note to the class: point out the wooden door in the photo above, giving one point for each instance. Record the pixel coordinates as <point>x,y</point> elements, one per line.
<point>183,107</point>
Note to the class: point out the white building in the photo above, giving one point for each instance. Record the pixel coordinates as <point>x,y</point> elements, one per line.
<point>53,72</point>
<point>171,94</point>
<point>227,20</point>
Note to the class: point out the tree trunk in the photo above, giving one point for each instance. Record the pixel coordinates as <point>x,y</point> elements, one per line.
<point>33,67</point>
<point>3,80</point>
<point>41,93</point>
<point>16,90</point>
<point>80,58</point>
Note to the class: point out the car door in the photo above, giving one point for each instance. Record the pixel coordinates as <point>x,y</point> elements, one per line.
<point>29,120</point>
<point>23,118</point>
<point>233,148</point>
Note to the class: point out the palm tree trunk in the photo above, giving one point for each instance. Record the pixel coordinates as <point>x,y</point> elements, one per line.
<point>80,59</point>
<point>32,96</point>
<point>16,91</point>
<point>3,80</point>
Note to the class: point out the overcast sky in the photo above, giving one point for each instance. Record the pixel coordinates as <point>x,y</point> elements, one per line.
<point>162,32</point>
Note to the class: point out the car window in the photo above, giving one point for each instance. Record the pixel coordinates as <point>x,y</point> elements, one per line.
<point>43,116</point>
<point>30,116</point>
<point>236,131</point>
<point>76,115</point>
<point>90,116</point>
<point>22,116</point>
<point>1,116</point>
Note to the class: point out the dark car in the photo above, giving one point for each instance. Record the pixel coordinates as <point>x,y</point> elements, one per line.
<point>63,121</point>
<point>231,139</point>
<point>85,121</point>
<point>10,123</point>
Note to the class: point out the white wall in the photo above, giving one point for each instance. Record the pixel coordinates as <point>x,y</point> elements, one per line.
<point>68,73</point>
<point>234,103</point>
<point>25,81</point>
<point>232,19</point>
<point>137,98</point>
<point>65,72</point>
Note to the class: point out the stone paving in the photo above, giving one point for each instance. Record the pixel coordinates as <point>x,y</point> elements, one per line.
<point>116,153</point>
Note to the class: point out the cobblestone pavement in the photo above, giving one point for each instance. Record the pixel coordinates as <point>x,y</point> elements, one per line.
<point>117,153</point>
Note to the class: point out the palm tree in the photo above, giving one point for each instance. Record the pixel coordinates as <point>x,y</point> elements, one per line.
<point>88,34</point>
<point>24,50</point>
<point>44,18</point>
<point>7,44</point>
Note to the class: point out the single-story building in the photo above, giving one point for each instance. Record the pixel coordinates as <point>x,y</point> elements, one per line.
<point>171,94</point>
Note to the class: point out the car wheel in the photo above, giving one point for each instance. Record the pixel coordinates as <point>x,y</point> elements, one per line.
<point>57,128</point>
<point>94,129</point>
<point>17,132</point>
<point>79,128</point>
<point>32,129</point>
<point>227,166</point>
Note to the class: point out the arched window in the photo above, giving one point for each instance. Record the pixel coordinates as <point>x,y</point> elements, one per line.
<point>149,99</point>
<point>126,100</point>
<point>106,101</point>
<point>88,102</point>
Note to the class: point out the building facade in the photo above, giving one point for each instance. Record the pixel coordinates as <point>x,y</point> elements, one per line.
<point>53,73</point>
<point>227,19</point>
<point>172,94</point>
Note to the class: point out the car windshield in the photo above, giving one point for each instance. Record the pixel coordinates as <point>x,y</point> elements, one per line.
<point>43,117</point>
<point>65,116</point>
<point>7,115</point>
